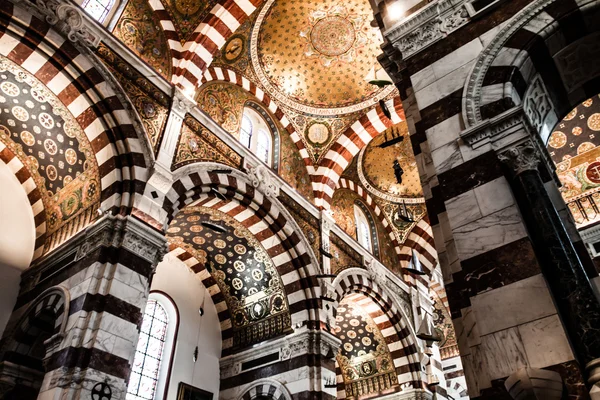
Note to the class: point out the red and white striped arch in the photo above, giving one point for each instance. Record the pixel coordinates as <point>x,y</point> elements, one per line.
<point>348,145</point>
<point>191,60</point>
<point>399,335</point>
<point>78,82</point>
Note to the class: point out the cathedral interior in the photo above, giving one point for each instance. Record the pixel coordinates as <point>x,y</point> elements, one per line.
<point>299,199</point>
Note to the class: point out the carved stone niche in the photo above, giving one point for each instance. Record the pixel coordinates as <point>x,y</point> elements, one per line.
<point>533,384</point>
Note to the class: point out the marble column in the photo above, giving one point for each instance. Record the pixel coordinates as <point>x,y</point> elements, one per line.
<point>575,301</point>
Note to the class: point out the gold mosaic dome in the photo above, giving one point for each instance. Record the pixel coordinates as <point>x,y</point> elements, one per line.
<point>314,55</point>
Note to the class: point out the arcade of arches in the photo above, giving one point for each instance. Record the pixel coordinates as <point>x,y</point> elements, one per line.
<point>299,199</point>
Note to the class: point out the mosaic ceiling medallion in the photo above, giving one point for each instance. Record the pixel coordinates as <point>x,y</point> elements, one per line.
<point>314,55</point>
<point>334,35</point>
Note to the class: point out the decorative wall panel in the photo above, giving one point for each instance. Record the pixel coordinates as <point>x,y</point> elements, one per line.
<point>150,102</point>
<point>364,357</point>
<point>140,30</point>
<point>198,143</point>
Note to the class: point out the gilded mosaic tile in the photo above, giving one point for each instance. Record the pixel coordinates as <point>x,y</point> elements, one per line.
<point>140,30</point>
<point>198,143</point>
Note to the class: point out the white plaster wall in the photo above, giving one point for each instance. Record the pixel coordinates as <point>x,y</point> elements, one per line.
<point>17,240</point>
<point>174,278</point>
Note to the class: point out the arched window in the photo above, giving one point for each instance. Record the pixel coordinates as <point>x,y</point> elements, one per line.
<point>246,131</point>
<point>98,9</point>
<point>257,134</point>
<point>263,146</point>
<point>155,345</point>
<point>363,233</point>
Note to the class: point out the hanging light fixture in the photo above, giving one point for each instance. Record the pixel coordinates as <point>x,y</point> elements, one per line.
<point>214,226</point>
<point>427,331</point>
<point>415,266</point>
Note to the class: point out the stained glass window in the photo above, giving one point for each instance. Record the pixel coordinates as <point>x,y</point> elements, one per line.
<point>98,9</point>
<point>146,364</point>
<point>246,132</point>
<point>263,145</point>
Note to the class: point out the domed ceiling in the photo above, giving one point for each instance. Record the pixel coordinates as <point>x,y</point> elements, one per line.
<point>364,356</point>
<point>387,166</point>
<point>40,130</point>
<point>314,55</point>
<point>241,267</point>
<point>574,149</point>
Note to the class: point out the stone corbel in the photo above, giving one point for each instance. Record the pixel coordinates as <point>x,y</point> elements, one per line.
<point>263,179</point>
<point>182,102</point>
<point>70,20</point>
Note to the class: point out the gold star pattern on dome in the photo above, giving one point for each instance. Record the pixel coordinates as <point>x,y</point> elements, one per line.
<point>317,53</point>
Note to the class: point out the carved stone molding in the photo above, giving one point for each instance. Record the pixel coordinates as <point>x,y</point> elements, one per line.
<point>473,89</point>
<point>182,103</point>
<point>426,26</point>
<point>68,19</point>
<point>538,107</point>
<point>263,180</point>
<point>491,130</point>
<point>521,157</point>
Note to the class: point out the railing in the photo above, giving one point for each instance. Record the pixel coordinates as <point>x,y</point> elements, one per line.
<point>585,210</point>
<point>449,352</point>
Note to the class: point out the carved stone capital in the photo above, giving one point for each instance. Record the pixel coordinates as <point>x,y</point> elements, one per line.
<point>521,157</point>
<point>182,103</point>
<point>68,19</point>
<point>263,180</point>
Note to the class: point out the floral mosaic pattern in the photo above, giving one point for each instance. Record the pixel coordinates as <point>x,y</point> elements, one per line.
<point>44,135</point>
<point>292,168</point>
<point>242,268</point>
<point>224,103</point>
<point>197,143</point>
<point>139,29</point>
<point>187,15</point>
<point>364,355</point>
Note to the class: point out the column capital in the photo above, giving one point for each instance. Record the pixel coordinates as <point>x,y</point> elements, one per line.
<point>182,103</point>
<point>521,157</point>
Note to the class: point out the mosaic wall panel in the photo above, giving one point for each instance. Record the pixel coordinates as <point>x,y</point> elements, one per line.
<point>574,149</point>
<point>343,256</point>
<point>293,169</point>
<point>44,135</point>
<point>140,30</point>
<point>364,357</point>
<point>224,103</point>
<point>443,325</point>
<point>150,102</point>
<point>198,143</point>
<point>186,15</point>
<point>309,225</point>
<point>243,270</point>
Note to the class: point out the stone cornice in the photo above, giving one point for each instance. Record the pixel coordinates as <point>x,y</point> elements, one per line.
<point>426,26</point>
<point>493,129</point>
